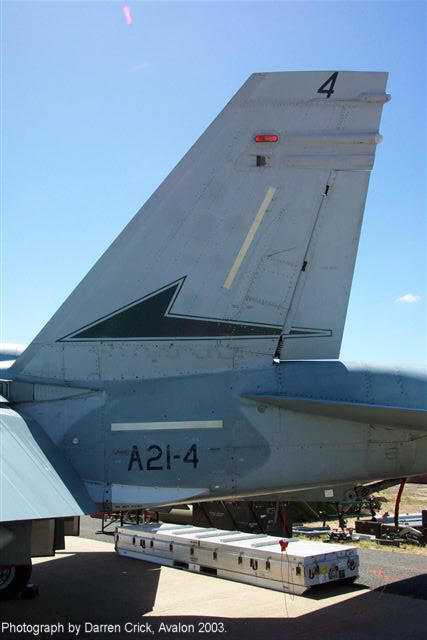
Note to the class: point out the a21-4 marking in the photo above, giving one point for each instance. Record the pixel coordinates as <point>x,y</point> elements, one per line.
<point>160,459</point>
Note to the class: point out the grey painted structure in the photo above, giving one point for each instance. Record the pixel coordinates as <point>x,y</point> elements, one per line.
<point>197,360</point>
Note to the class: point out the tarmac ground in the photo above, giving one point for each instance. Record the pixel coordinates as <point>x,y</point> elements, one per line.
<point>90,591</point>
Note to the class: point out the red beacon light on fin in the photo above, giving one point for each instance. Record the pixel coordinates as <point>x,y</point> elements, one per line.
<point>268,137</point>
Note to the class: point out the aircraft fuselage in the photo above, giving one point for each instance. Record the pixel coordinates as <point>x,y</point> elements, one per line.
<point>201,437</point>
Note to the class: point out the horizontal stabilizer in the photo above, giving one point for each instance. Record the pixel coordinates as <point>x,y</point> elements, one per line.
<point>35,479</point>
<point>359,412</point>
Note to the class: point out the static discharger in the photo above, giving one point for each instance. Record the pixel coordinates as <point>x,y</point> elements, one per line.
<point>268,137</point>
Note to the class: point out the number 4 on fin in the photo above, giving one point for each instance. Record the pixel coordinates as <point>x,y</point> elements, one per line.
<point>331,82</point>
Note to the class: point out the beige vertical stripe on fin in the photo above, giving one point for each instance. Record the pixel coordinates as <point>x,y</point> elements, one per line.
<point>251,234</point>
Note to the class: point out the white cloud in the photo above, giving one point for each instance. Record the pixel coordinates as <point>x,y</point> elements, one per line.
<point>408,297</point>
<point>139,67</point>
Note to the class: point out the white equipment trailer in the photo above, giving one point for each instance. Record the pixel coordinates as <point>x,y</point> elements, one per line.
<point>243,557</point>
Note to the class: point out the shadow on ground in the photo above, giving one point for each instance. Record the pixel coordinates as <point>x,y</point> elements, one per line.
<point>103,588</point>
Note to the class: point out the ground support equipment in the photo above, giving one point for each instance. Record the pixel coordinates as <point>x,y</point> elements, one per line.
<point>242,557</point>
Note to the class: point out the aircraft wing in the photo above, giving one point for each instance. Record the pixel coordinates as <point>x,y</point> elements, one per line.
<point>36,481</point>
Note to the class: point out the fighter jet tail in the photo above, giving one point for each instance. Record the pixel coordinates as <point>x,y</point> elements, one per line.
<point>249,243</point>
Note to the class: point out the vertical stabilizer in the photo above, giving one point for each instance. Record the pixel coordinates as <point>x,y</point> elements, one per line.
<point>251,237</point>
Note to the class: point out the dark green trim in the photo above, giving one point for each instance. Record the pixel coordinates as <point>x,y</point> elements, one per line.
<point>150,318</point>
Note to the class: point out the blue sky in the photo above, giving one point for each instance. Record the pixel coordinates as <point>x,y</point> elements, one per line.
<point>96,112</point>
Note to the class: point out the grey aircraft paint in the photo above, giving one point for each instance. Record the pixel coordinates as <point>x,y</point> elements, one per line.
<point>197,359</point>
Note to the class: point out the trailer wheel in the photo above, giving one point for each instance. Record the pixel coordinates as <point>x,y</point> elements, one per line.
<point>13,579</point>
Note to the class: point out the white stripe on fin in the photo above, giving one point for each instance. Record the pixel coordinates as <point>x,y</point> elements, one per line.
<point>250,236</point>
